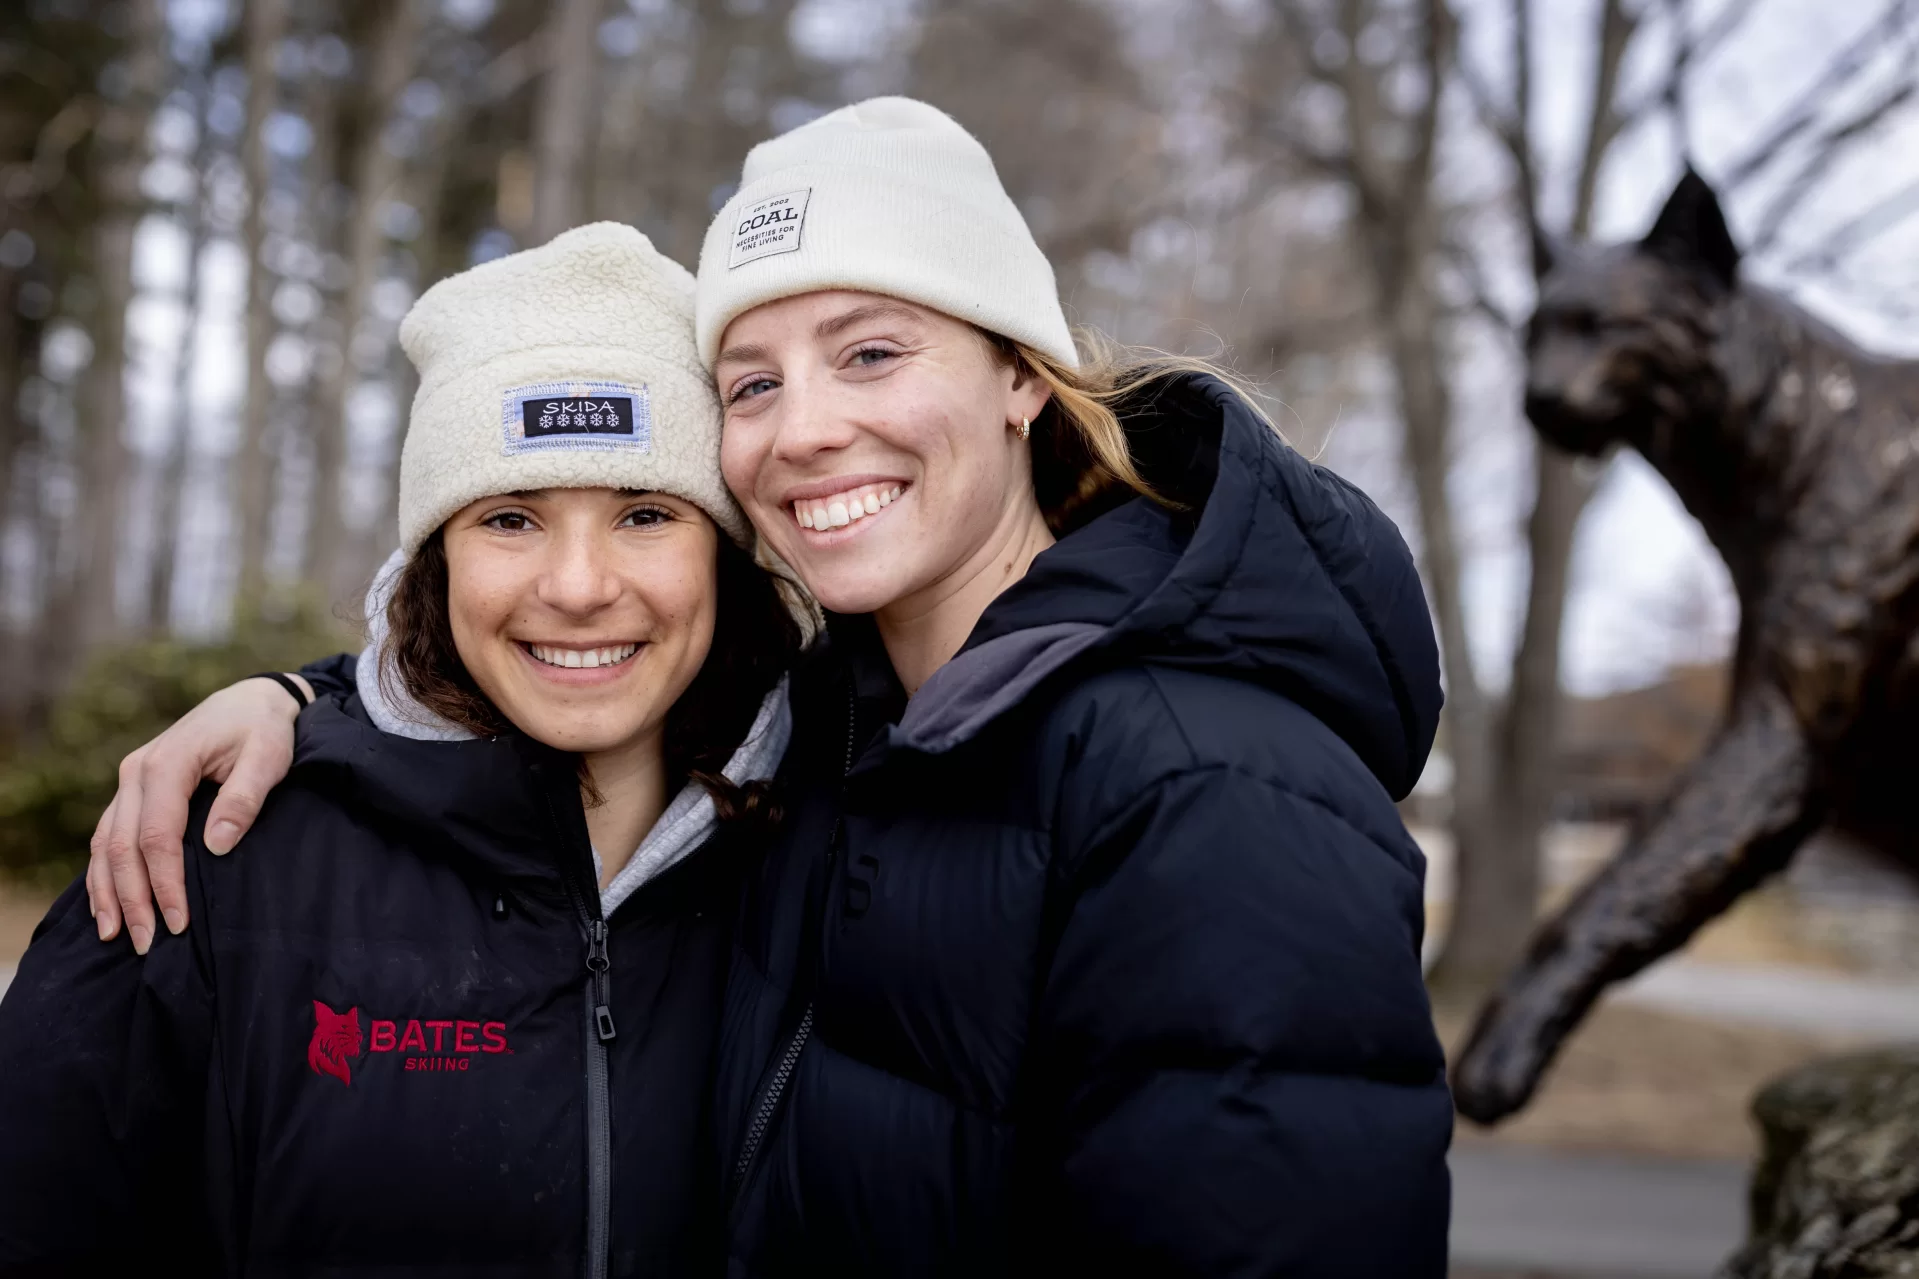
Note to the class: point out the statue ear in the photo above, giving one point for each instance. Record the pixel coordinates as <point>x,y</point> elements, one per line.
<point>1691,231</point>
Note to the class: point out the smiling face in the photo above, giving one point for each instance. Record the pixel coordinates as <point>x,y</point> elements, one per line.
<point>582,614</point>
<point>872,444</point>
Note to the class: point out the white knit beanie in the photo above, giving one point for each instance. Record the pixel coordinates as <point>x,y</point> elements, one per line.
<point>886,196</point>
<point>571,365</point>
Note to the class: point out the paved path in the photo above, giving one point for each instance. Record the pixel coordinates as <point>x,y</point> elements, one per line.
<point>1773,995</point>
<point>1594,1216</point>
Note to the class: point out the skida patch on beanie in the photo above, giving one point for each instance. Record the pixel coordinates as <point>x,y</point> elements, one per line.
<point>886,196</point>
<point>572,365</point>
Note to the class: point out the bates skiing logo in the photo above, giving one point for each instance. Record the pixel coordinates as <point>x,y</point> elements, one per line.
<point>425,1045</point>
<point>336,1037</point>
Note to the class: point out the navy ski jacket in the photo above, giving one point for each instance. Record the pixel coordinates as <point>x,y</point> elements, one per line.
<point>398,1039</point>
<point>1102,955</point>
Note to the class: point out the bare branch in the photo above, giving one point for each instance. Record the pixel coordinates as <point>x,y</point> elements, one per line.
<point>1603,122</point>
<point>1673,99</point>
<point>1479,295</point>
<point>1690,50</point>
<point>1522,55</point>
<point>1804,113</point>
<point>1859,230</point>
<point>1824,152</point>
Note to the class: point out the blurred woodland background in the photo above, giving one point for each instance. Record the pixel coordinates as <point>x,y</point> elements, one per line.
<point>213,215</point>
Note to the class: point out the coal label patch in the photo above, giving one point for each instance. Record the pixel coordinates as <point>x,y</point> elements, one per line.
<point>771,226</point>
<point>576,415</point>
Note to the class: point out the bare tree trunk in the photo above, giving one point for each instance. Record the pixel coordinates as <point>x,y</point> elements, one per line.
<point>266,24</point>
<point>376,176</point>
<point>563,116</point>
<point>1497,879</point>
<point>1425,404</point>
<point>173,465</point>
<point>88,616</point>
<point>16,646</point>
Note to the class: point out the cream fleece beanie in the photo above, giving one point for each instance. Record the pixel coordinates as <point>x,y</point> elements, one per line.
<point>571,365</point>
<point>885,196</point>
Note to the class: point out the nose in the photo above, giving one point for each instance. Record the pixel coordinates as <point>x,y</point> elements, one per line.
<point>579,579</point>
<point>810,422</point>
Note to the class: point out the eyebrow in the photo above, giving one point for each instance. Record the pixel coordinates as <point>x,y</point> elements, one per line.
<point>860,314</point>
<point>749,353</point>
<point>752,352</point>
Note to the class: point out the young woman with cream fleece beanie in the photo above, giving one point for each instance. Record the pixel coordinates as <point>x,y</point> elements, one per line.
<point>453,1007</point>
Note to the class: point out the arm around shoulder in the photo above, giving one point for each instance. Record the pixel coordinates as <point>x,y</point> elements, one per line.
<point>1238,1072</point>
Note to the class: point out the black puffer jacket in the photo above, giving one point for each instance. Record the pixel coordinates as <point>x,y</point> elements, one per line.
<point>376,1050</point>
<point>1103,956</point>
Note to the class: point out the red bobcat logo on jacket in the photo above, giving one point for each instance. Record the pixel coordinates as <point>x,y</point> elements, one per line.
<point>426,1046</point>
<point>336,1037</point>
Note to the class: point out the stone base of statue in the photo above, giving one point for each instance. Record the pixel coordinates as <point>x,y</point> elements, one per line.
<point>1836,1194</point>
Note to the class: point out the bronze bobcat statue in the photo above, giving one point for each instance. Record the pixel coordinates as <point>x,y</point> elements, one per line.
<point>1799,453</point>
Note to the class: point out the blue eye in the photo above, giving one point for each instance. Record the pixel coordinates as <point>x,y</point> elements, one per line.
<point>746,390</point>
<point>877,352</point>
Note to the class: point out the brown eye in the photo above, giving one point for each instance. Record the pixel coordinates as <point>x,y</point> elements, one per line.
<point>508,521</point>
<point>645,517</point>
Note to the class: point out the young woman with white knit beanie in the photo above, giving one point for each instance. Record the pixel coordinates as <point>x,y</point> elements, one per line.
<point>1089,941</point>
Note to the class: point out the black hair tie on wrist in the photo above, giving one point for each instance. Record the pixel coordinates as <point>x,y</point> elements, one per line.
<point>286,682</point>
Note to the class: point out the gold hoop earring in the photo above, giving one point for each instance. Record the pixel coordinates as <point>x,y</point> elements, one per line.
<point>1025,428</point>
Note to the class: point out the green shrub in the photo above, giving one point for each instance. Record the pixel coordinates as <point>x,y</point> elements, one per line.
<point>53,790</point>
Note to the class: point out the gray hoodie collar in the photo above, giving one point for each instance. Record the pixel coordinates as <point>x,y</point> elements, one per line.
<point>688,822</point>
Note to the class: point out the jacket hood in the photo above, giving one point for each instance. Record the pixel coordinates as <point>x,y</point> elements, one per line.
<point>1275,571</point>
<point>490,795</point>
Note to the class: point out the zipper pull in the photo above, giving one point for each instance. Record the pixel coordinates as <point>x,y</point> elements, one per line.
<point>598,963</point>
<point>499,905</point>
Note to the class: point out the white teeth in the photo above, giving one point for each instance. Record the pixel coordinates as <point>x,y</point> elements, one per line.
<point>583,658</point>
<point>843,508</point>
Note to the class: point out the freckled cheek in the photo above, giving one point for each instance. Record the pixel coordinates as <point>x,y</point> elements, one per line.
<point>479,607</point>
<point>743,449</point>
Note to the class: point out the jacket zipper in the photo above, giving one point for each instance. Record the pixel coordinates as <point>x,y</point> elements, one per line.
<point>789,1058</point>
<point>599,1104</point>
